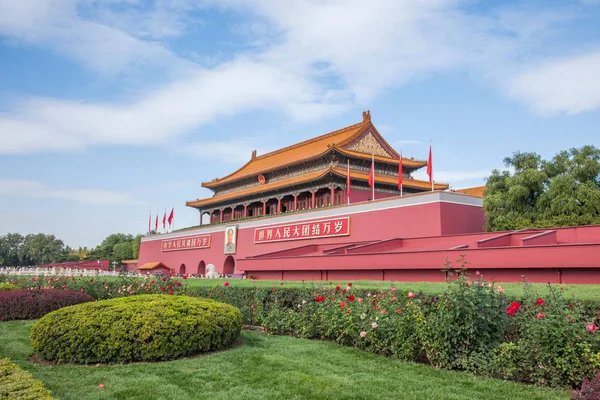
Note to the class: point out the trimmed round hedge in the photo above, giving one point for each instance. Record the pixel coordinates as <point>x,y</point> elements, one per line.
<point>137,328</point>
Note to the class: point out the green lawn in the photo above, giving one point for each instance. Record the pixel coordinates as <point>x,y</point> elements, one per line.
<point>581,292</point>
<point>265,367</point>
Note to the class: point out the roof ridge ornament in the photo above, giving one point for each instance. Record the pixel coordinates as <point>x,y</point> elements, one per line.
<point>366,116</point>
<point>253,156</point>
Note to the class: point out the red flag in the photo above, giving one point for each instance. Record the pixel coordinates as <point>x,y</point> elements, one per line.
<point>429,167</point>
<point>348,182</point>
<point>171,216</point>
<point>165,220</point>
<point>156,224</point>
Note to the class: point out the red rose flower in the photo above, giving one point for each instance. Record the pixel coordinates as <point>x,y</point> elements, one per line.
<point>349,284</point>
<point>344,291</point>
<point>170,293</point>
<point>274,290</point>
<point>337,288</point>
<point>351,298</point>
<point>72,278</point>
<point>539,315</point>
<point>539,302</point>
<point>226,283</point>
<point>398,310</point>
<point>410,295</point>
<point>342,304</point>
<point>162,288</point>
<point>152,281</point>
<point>164,278</point>
<point>170,286</point>
<point>185,277</point>
<point>513,308</point>
<point>64,286</point>
<point>178,283</point>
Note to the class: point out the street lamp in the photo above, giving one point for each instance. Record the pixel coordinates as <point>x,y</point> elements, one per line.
<point>114,264</point>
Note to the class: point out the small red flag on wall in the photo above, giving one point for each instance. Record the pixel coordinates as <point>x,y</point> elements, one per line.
<point>171,216</point>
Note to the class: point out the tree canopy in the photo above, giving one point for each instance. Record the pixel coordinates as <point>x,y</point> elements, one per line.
<point>39,249</point>
<point>563,191</point>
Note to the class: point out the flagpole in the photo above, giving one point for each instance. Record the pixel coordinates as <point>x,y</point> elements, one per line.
<point>402,178</point>
<point>373,168</point>
<point>173,210</point>
<point>149,220</point>
<point>431,161</point>
<point>348,188</point>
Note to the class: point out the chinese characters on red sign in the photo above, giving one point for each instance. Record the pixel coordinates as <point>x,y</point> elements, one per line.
<point>186,243</point>
<point>304,230</point>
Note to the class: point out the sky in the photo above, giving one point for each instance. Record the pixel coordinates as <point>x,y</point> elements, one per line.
<point>111,110</point>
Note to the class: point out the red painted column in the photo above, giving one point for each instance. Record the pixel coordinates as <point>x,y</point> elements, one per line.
<point>278,205</point>
<point>245,210</point>
<point>221,215</point>
<point>295,202</point>
<point>332,196</point>
<point>264,208</point>
<point>313,199</point>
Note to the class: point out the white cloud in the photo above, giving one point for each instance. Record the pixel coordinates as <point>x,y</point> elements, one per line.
<point>25,188</point>
<point>236,151</point>
<point>566,85</point>
<point>56,24</point>
<point>38,124</point>
<point>365,47</point>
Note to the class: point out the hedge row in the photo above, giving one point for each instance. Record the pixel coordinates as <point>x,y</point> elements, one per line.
<point>18,384</point>
<point>137,328</point>
<point>32,304</point>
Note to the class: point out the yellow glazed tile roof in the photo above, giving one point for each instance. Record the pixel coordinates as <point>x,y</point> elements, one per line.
<point>152,265</point>
<point>474,191</point>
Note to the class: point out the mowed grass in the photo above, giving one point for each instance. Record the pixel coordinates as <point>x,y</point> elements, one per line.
<point>264,367</point>
<point>581,292</point>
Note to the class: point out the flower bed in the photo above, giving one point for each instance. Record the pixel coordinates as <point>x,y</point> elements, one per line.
<point>137,328</point>
<point>471,326</point>
<point>18,384</point>
<point>8,286</point>
<point>32,304</point>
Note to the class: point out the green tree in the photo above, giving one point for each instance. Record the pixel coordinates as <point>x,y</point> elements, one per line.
<point>564,191</point>
<point>10,249</point>
<point>136,246</point>
<point>40,249</point>
<point>106,248</point>
<point>122,251</point>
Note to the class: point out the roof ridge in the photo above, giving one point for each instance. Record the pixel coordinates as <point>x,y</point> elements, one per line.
<point>312,140</point>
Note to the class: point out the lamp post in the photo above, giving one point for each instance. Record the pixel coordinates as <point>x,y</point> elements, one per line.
<point>114,264</point>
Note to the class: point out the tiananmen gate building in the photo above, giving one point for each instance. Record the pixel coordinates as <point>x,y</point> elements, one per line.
<point>332,208</point>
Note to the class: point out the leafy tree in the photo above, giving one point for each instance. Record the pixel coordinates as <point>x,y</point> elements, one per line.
<point>564,191</point>
<point>136,246</point>
<point>122,251</point>
<point>40,249</point>
<point>10,249</point>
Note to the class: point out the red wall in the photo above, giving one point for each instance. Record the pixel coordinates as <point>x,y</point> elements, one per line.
<point>408,221</point>
<point>392,239</point>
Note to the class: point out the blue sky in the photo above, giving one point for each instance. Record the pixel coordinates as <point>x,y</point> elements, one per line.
<point>110,109</point>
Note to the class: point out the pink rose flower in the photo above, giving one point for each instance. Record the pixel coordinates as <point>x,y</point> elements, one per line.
<point>410,295</point>
<point>374,325</point>
<point>591,328</point>
<point>500,290</point>
<point>363,334</point>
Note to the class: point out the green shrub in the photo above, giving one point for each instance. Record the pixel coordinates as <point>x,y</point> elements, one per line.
<point>18,384</point>
<point>137,328</point>
<point>8,286</point>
